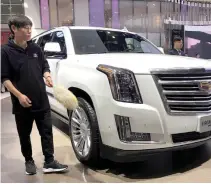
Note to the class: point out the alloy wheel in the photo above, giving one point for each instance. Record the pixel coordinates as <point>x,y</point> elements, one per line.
<point>81,133</point>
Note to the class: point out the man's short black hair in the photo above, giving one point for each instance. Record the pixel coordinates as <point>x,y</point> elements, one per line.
<point>177,38</point>
<point>19,21</point>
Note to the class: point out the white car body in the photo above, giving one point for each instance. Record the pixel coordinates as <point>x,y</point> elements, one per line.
<point>152,116</point>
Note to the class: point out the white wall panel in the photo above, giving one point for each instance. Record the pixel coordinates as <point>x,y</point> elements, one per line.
<point>81,12</point>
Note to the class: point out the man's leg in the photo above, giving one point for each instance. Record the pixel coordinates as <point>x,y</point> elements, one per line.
<point>24,122</point>
<point>44,125</point>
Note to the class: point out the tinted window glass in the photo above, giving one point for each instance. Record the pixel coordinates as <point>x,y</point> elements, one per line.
<point>103,41</point>
<point>44,39</point>
<point>59,38</point>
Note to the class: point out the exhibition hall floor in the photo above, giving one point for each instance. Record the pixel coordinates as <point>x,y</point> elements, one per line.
<point>187,166</point>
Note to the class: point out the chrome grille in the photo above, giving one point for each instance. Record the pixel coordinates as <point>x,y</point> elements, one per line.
<point>181,92</point>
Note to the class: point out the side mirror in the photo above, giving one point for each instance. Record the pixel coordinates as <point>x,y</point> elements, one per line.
<point>161,49</point>
<point>52,47</point>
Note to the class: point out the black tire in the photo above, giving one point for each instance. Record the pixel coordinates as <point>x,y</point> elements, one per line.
<point>93,157</point>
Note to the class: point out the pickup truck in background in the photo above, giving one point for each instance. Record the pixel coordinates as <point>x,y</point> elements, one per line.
<point>134,101</point>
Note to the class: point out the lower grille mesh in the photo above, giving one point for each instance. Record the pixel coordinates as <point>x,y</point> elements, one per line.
<point>190,136</point>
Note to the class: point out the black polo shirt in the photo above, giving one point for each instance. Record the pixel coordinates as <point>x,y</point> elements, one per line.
<point>25,69</point>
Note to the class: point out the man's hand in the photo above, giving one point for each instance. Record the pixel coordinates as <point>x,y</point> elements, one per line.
<point>24,101</point>
<point>48,81</point>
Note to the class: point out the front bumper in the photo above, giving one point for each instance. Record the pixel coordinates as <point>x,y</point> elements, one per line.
<point>166,131</point>
<point>123,156</point>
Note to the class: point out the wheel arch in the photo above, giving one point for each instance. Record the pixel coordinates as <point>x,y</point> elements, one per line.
<point>83,94</point>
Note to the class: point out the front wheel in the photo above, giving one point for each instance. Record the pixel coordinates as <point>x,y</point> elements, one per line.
<point>84,133</point>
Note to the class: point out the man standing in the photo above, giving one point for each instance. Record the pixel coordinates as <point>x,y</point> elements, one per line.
<point>23,67</point>
<point>178,44</point>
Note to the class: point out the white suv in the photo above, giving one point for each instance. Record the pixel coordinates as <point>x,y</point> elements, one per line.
<point>134,100</point>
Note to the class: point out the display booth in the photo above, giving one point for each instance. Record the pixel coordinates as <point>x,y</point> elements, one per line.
<point>198,41</point>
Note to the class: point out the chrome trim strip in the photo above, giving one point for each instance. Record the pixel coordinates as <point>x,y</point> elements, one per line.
<point>172,102</point>
<point>193,82</point>
<point>190,77</point>
<point>190,97</point>
<point>188,93</point>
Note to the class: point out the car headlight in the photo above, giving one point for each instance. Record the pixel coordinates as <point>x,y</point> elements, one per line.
<point>123,84</point>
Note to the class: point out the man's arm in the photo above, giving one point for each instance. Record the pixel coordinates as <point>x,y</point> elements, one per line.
<point>45,65</point>
<point>6,75</point>
<point>46,70</point>
<point>11,88</point>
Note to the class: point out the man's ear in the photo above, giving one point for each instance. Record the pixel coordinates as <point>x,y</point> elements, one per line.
<point>13,28</point>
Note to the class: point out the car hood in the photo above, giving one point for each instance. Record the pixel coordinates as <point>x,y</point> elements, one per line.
<point>142,63</point>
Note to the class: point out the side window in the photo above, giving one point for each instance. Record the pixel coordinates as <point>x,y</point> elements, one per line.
<point>44,39</point>
<point>140,46</point>
<point>59,38</point>
<point>148,48</point>
<point>133,44</point>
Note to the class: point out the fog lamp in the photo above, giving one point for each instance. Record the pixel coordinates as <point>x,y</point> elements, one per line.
<point>125,133</point>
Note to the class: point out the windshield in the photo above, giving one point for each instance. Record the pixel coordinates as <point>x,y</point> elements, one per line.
<point>104,41</point>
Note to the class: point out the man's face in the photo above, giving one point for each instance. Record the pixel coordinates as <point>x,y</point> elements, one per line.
<point>178,44</point>
<point>23,33</point>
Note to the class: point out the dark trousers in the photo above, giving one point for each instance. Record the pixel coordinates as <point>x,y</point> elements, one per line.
<point>24,122</point>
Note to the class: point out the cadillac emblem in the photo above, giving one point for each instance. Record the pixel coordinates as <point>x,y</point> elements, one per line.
<point>205,86</point>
